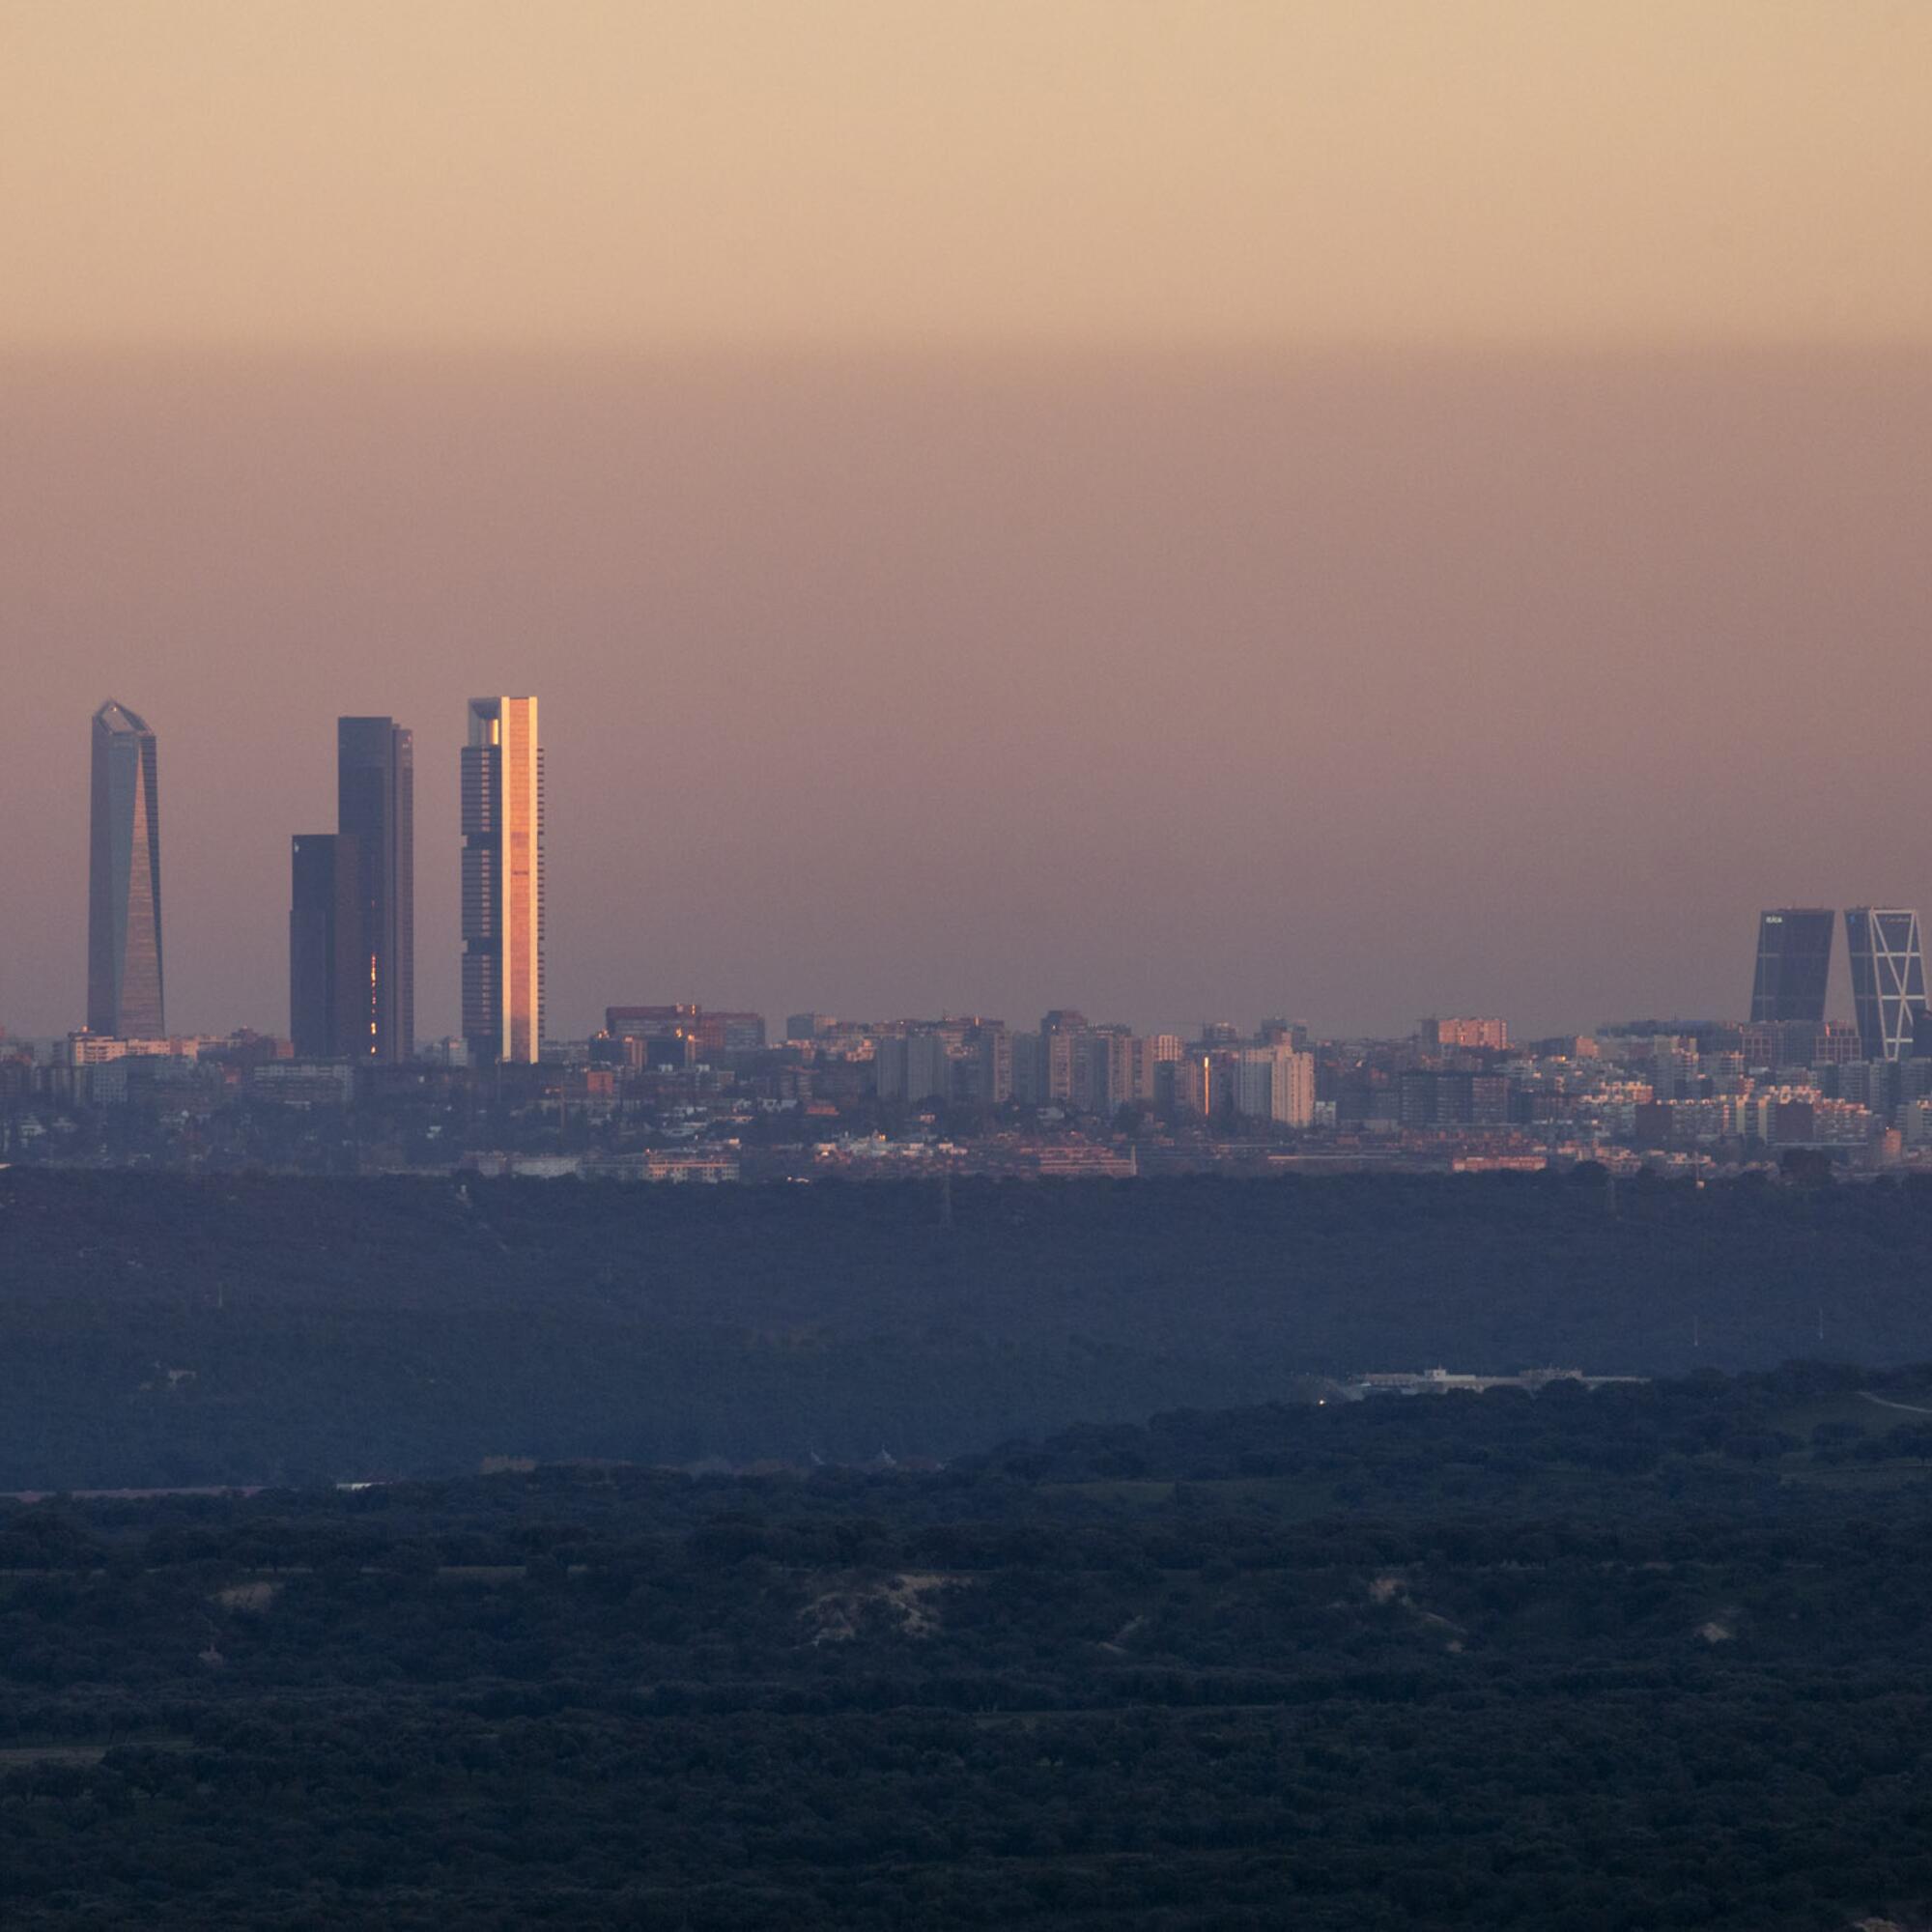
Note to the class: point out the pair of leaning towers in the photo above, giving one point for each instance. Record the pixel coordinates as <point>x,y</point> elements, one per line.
<point>1794,968</point>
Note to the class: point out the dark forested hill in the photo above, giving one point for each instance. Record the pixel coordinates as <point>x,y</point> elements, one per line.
<point>162,1330</point>
<point>1651,1657</point>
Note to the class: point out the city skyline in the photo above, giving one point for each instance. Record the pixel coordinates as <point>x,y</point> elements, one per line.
<point>343,911</point>
<point>1169,507</point>
<point>934,691</point>
<point>680,1093</point>
<point>1239,611</point>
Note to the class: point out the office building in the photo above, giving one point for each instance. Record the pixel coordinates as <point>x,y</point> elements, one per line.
<point>375,807</point>
<point>1294,1086</point>
<point>1793,964</point>
<point>123,880</point>
<point>328,987</point>
<point>1027,1052</point>
<point>1150,1053</point>
<point>912,1066</point>
<point>1467,1035</point>
<point>1190,1084</point>
<point>1767,1043</point>
<point>677,1021</point>
<point>714,1034</point>
<point>1888,978</point>
<point>1281,1032</point>
<point>504,882</point>
<point>1275,1083</point>
<point>1432,1099</point>
<point>982,1053</point>
<point>1103,1071</point>
<point>733,1032</point>
<point>1061,1034</point>
<point>988,1046</point>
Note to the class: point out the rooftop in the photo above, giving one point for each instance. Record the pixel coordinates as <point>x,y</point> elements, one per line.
<point>116,717</point>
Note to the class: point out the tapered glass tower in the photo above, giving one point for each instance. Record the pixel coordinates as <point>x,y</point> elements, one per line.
<point>374,807</point>
<point>123,880</point>
<point>502,882</point>
<point>1793,964</point>
<point>1888,978</point>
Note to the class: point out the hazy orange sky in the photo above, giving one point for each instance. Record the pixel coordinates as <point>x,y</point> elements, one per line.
<point>946,171</point>
<point>1178,509</point>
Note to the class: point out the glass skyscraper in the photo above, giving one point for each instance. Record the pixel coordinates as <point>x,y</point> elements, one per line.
<point>327,982</point>
<point>1888,979</point>
<point>123,880</point>
<point>1793,964</point>
<point>504,882</point>
<point>374,807</point>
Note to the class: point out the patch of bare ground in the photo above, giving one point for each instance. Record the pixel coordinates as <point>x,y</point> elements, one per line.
<point>910,1600</point>
<point>1392,1587</point>
<point>248,1596</point>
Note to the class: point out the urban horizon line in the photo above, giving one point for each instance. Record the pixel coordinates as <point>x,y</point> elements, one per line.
<point>502,867</point>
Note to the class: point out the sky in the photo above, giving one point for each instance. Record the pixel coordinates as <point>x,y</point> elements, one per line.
<point>1185,510</point>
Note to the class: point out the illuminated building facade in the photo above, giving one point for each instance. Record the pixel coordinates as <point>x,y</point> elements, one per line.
<point>1888,978</point>
<point>375,810</point>
<point>123,880</point>
<point>1441,1035</point>
<point>1281,1077</point>
<point>715,1034</point>
<point>1793,964</point>
<point>502,882</point>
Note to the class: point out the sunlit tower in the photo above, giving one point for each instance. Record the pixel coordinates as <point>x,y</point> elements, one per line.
<point>504,882</point>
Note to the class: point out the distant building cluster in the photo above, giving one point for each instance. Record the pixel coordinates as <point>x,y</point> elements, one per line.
<point>1887,966</point>
<point>679,1091</point>
<point>352,896</point>
<point>1067,1065</point>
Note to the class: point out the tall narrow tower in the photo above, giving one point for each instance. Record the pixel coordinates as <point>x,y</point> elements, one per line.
<point>1888,978</point>
<point>502,882</point>
<point>123,880</point>
<point>1793,964</point>
<point>375,807</point>
<point>329,979</point>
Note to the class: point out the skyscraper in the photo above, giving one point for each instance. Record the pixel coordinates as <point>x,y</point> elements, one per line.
<point>123,880</point>
<point>1888,978</point>
<point>1793,964</point>
<point>502,881</point>
<point>327,982</point>
<point>1275,1083</point>
<point>374,807</point>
